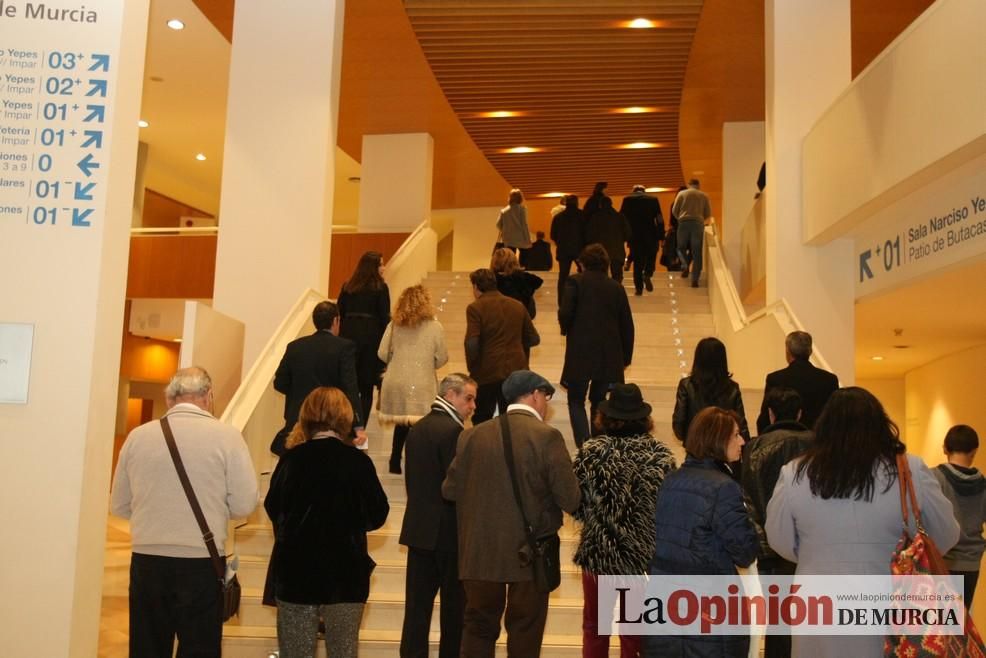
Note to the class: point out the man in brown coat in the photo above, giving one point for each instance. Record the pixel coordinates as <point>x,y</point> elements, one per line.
<point>499,338</point>
<point>491,528</point>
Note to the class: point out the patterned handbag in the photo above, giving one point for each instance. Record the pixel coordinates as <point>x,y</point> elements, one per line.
<point>916,556</point>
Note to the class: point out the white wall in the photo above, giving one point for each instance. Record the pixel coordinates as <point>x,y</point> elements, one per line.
<point>742,155</point>
<point>891,394</point>
<point>474,236</point>
<point>213,341</point>
<point>396,179</point>
<point>917,111</point>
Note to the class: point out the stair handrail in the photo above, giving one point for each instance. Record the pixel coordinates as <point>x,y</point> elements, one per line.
<point>406,252</point>
<point>779,309</point>
<point>254,384</point>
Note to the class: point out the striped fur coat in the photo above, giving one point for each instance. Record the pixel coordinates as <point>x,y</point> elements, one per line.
<point>619,478</point>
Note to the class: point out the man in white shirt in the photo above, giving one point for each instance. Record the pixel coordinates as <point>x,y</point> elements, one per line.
<point>174,587</point>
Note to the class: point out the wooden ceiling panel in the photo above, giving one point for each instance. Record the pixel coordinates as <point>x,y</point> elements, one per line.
<point>565,65</point>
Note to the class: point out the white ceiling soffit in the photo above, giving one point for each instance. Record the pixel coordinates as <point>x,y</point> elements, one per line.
<point>939,315</point>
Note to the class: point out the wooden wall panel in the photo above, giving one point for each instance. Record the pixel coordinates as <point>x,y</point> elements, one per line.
<point>162,211</point>
<point>172,266</point>
<point>347,249</point>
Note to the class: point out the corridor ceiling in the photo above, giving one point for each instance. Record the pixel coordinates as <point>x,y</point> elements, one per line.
<point>562,71</point>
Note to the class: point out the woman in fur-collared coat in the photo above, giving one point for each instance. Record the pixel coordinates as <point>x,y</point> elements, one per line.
<point>619,472</point>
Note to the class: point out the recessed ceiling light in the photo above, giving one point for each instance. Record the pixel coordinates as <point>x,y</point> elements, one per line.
<point>499,114</point>
<point>200,157</point>
<point>552,195</point>
<point>522,149</point>
<point>639,145</point>
<point>658,189</point>
<point>634,110</point>
<point>176,24</point>
<point>876,358</point>
<point>641,24</point>
<point>142,124</point>
<point>176,340</point>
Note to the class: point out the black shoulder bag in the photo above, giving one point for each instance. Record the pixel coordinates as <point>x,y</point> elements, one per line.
<point>541,553</point>
<point>230,590</point>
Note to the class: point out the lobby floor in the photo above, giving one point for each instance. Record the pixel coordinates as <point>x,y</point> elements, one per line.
<point>114,616</point>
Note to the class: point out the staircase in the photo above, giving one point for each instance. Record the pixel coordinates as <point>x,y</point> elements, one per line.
<point>669,321</point>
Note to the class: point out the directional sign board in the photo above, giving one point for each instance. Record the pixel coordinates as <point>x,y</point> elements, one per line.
<point>934,227</point>
<point>57,85</point>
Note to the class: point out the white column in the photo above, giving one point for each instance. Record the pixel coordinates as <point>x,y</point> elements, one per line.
<point>278,162</point>
<point>808,54</point>
<point>63,264</point>
<point>395,182</point>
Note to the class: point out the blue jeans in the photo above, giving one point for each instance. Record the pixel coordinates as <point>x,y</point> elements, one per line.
<point>690,234</point>
<point>576,406</point>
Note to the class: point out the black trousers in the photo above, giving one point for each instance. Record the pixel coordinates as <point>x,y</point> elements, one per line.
<point>526,614</point>
<point>430,572</point>
<point>488,396</point>
<point>397,447</point>
<point>616,269</point>
<point>968,585</point>
<point>564,269</point>
<point>174,596</point>
<point>644,260</point>
<point>776,646</point>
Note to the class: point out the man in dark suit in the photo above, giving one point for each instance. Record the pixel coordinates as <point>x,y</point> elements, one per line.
<point>491,528</point>
<point>612,230</point>
<point>814,385</point>
<point>538,257</point>
<point>643,211</point>
<point>322,359</point>
<point>429,529</point>
<point>568,234</point>
<point>499,338</point>
<point>595,317</point>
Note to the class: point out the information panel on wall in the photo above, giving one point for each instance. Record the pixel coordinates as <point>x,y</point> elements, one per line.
<point>57,84</point>
<point>937,226</point>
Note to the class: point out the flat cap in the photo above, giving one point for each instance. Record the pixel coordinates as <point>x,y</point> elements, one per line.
<point>522,382</point>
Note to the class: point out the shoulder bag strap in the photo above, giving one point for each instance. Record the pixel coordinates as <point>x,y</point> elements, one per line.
<point>906,483</point>
<point>210,543</point>
<point>508,454</point>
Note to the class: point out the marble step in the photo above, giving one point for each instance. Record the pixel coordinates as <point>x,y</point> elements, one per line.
<point>259,642</point>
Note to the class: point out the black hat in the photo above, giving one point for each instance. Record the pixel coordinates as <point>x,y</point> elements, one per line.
<point>625,402</point>
<point>522,382</point>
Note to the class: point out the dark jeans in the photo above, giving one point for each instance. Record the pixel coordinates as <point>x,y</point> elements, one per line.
<point>429,572</point>
<point>564,268</point>
<point>644,259</point>
<point>576,406</point>
<point>527,611</point>
<point>690,234</point>
<point>776,646</point>
<point>174,596</point>
<point>970,578</point>
<point>488,396</point>
<point>397,447</point>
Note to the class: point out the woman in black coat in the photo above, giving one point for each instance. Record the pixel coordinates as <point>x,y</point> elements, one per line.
<point>702,527</point>
<point>513,281</point>
<point>324,496</point>
<point>596,320</point>
<point>364,309</point>
<point>709,385</point>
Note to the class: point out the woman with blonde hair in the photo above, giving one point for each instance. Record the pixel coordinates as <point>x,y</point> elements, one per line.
<point>513,281</point>
<point>512,223</point>
<point>324,496</point>
<point>413,347</point>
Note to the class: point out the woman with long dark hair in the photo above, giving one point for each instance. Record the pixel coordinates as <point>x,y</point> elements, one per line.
<point>620,471</point>
<point>836,510</point>
<point>324,496</point>
<point>702,526</point>
<point>709,385</point>
<point>364,307</point>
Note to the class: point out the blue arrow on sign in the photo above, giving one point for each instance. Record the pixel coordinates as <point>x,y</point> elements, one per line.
<point>93,138</point>
<point>98,87</point>
<point>864,266</point>
<point>86,165</point>
<point>84,192</point>
<point>79,216</point>
<point>100,62</point>
<point>97,112</point>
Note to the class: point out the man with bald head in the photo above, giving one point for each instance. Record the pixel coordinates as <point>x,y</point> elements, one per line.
<point>174,587</point>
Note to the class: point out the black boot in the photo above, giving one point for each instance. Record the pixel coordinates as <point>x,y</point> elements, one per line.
<point>397,448</point>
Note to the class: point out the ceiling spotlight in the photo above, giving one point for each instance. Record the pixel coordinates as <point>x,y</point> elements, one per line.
<point>142,124</point>
<point>639,145</point>
<point>200,157</point>
<point>176,24</point>
<point>876,358</point>
<point>499,114</point>
<point>634,110</point>
<point>552,195</point>
<point>641,24</point>
<point>658,189</point>
<point>522,149</point>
